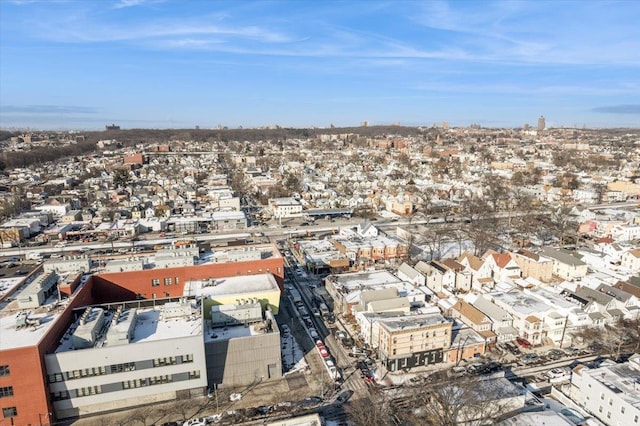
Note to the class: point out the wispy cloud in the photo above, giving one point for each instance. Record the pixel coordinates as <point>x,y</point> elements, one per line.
<point>121,4</point>
<point>618,109</point>
<point>48,109</point>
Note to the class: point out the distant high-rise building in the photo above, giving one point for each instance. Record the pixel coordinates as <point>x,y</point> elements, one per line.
<point>112,127</point>
<point>542,123</point>
<point>364,124</point>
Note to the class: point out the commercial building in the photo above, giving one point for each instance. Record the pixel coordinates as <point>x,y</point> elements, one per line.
<point>133,337</point>
<point>610,392</point>
<point>413,340</point>
<point>285,207</point>
<point>123,356</point>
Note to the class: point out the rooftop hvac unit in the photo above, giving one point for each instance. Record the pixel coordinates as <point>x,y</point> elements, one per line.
<point>21,319</point>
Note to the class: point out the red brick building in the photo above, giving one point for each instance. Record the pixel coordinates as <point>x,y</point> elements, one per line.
<point>24,392</point>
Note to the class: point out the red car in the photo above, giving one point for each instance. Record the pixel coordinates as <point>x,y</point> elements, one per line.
<point>523,342</point>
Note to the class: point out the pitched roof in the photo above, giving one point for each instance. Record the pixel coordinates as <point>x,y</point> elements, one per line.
<point>470,312</point>
<point>529,254</point>
<point>501,259</point>
<point>453,264</point>
<point>410,272</point>
<point>563,256</point>
<point>475,263</point>
<point>634,252</point>
<point>628,287</point>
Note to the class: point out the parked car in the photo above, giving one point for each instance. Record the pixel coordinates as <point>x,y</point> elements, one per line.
<point>523,342</point>
<point>556,373</point>
<point>512,348</point>
<point>530,358</point>
<point>554,354</point>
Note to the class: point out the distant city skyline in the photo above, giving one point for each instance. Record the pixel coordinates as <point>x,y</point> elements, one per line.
<point>174,64</point>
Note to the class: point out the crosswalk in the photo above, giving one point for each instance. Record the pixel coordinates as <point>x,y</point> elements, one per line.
<point>355,382</point>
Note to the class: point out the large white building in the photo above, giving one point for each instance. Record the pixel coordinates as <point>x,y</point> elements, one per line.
<point>285,207</point>
<point>611,393</point>
<point>125,356</point>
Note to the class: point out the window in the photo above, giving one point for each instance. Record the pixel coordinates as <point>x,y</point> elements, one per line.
<point>59,396</point>
<point>56,377</point>
<point>6,391</point>
<point>194,374</point>
<point>4,370</point>
<point>167,281</point>
<point>9,412</point>
<point>622,410</point>
<point>176,280</point>
<point>155,282</point>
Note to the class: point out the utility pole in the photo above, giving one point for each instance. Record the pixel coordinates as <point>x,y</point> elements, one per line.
<point>564,329</point>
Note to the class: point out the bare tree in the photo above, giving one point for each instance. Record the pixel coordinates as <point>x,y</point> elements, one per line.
<point>495,191</point>
<point>368,412</point>
<point>463,401</point>
<point>562,223</point>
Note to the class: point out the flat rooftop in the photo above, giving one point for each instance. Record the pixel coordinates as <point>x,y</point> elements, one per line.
<point>219,334</point>
<point>412,321</point>
<point>150,324</point>
<point>39,321</point>
<point>361,280</point>
<point>621,379</point>
<point>231,285</point>
<point>521,302</point>
<point>7,285</point>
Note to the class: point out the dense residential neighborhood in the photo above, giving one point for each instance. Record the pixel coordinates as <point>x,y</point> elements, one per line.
<point>394,265</point>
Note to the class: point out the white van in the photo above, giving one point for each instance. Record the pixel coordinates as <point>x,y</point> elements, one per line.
<point>33,255</point>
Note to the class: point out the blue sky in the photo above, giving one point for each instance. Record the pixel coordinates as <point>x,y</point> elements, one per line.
<point>161,64</point>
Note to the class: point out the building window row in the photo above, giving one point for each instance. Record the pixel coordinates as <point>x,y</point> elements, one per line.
<point>172,360</point>
<point>119,368</point>
<point>87,391</point>
<point>155,282</point>
<point>6,391</point>
<point>125,385</point>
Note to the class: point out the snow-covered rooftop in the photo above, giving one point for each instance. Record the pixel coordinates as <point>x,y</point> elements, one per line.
<point>231,285</point>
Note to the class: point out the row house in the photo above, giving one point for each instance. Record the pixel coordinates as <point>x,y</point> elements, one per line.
<point>475,319</point>
<point>480,271</point>
<point>407,273</point>
<point>447,274</point>
<point>536,321</point>
<point>503,266</point>
<point>533,265</point>
<point>501,320</point>
<point>565,264</point>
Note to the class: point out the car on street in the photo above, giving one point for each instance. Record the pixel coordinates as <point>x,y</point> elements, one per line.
<point>556,373</point>
<point>555,354</point>
<point>523,342</point>
<point>512,348</point>
<point>530,358</point>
